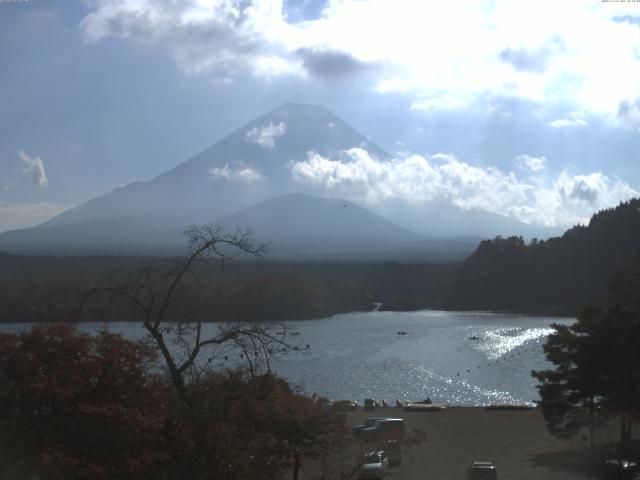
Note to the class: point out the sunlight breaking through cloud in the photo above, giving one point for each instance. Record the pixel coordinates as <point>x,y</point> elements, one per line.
<point>542,51</point>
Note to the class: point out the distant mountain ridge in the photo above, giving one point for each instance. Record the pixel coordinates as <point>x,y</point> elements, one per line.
<point>250,166</point>
<point>317,220</point>
<point>302,226</point>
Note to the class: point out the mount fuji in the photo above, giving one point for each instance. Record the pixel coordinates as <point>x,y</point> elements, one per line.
<point>246,180</point>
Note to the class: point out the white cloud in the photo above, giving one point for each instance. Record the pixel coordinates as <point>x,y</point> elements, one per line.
<point>35,167</point>
<point>533,198</point>
<point>568,122</point>
<point>23,215</point>
<point>570,200</point>
<point>265,136</point>
<point>442,54</point>
<point>415,179</point>
<point>535,164</point>
<point>241,174</point>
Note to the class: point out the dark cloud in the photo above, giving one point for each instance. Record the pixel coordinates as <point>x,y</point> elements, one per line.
<point>629,113</point>
<point>303,10</point>
<point>583,191</point>
<point>624,109</point>
<point>223,40</point>
<point>330,63</point>
<point>632,20</point>
<point>526,60</point>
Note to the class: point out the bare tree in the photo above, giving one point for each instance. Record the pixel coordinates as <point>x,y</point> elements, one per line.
<point>188,347</point>
<point>156,299</point>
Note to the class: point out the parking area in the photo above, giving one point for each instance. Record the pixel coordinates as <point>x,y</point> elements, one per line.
<point>442,445</point>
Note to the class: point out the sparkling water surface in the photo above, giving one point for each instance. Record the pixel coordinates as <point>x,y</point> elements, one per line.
<point>459,358</point>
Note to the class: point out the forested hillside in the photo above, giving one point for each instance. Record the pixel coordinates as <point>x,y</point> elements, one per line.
<point>554,276</point>
<point>40,288</point>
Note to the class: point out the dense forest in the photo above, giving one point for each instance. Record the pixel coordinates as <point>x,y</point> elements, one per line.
<point>33,288</point>
<point>555,276</point>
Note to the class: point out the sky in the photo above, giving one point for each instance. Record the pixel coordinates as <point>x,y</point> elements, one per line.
<point>530,109</point>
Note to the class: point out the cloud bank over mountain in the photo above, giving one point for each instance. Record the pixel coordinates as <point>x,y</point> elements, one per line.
<point>299,163</point>
<point>530,195</point>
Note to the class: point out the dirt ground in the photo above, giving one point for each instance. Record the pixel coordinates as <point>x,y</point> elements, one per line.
<point>449,440</point>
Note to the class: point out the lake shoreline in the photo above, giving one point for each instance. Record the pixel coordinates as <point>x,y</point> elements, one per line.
<point>469,311</point>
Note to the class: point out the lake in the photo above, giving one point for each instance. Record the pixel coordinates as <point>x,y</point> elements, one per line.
<point>460,358</point>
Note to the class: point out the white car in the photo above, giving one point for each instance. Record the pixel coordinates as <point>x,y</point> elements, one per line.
<point>374,465</point>
<point>483,470</point>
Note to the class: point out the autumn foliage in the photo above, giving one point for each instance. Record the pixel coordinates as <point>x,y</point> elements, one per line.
<point>76,406</point>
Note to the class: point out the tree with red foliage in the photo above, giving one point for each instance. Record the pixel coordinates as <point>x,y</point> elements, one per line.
<point>303,426</point>
<point>78,406</point>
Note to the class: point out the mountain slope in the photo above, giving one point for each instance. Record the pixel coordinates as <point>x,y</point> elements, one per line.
<point>315,221</point>
<point>304,227</point>
<point>247,166</point>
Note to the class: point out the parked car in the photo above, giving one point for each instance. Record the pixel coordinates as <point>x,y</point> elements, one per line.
<point>344,405</point>
<point>369,422</point>
<point>370,404</point>
<point>383,430</point>
<point>483,470</point>
<point>374,465</point>
<point>620,470</point>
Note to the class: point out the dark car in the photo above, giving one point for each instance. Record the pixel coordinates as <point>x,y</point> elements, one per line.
<point>370,404</point>
<point>369,422</point>
<point>344,405</point>
<point>621,470</point>
<point>483,470</point>
<point>384,429</point>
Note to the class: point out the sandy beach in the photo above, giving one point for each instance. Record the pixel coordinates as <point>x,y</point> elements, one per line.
<point>517,441</point>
